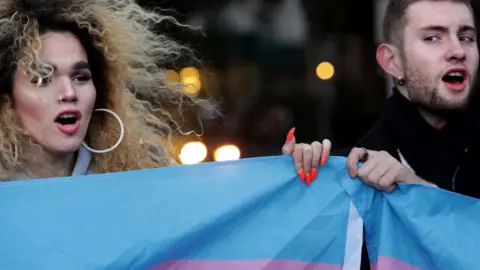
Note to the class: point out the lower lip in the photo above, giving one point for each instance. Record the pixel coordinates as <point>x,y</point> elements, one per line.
<point>457,87</point>
<point>69,129</point>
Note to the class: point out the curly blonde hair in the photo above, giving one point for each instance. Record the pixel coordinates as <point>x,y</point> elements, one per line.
<point>126,57</point>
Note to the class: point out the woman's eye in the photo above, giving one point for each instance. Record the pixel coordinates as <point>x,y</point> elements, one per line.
<point>41,81</point>
<point>81,78</point>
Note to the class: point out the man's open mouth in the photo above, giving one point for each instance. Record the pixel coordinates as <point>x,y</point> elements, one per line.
<point>455,77</point>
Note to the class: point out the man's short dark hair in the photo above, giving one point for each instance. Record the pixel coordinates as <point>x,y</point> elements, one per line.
<point>394,20</point>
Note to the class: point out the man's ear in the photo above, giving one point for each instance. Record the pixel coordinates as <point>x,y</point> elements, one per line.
<point>388,57</point>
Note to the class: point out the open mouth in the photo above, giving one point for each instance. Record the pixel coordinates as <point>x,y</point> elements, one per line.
<point>67,119</point>
<point>454,77</point>
<point>68,122</point>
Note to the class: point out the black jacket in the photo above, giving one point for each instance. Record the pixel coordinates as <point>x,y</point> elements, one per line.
<point>446,157</point>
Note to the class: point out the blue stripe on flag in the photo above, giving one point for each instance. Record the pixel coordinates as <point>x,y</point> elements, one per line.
<point>253,209</point>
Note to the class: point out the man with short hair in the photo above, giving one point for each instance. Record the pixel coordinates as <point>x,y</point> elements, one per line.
<point>428,127</point>
<point>429,132</point>
<point>431,52</point>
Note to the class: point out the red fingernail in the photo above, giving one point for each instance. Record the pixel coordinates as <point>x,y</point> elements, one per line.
<point>314,174</point>
<point>324,160</point>
<point>302,175</point>
<point>290,134</point>
<point>309,180</point>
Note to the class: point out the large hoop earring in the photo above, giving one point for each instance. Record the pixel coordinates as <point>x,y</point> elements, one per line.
<point>122,131</point>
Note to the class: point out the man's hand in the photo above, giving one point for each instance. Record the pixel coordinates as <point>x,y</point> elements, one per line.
<point>380,170</point>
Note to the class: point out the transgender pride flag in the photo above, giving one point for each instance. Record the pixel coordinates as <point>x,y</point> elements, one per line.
<point>248,214</point>
<point>418,227</point>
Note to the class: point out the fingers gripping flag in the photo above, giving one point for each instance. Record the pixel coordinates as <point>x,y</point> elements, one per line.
<point>247,214</point>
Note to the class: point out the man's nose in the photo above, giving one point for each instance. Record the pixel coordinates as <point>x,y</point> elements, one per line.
<point>455,51</point>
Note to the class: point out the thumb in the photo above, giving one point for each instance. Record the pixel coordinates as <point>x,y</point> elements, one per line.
<point>289,145</point>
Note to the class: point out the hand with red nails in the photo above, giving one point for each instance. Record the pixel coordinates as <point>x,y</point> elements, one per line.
<point>380,170</point>
<point>307,157</point>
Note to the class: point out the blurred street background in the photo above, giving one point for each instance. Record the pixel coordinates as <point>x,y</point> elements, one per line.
<point>271,65</point>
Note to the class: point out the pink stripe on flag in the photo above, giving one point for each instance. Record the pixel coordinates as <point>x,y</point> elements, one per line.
<point>244,265</point>
<point>389,263</point>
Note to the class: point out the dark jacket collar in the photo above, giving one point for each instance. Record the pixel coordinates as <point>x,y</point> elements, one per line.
<point>433,154</point>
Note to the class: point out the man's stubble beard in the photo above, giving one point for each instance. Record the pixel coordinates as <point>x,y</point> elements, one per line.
<point>424,93</point>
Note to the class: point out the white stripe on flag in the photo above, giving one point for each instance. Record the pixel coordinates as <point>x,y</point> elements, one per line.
<point>353,247</point>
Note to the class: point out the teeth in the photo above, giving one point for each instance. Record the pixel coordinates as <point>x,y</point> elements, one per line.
<point>67,115</point>
<point>455,74</point>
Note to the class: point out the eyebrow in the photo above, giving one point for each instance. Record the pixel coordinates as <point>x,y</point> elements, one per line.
<point>439,28</point>
<point>80,65</point>
<point>468,28</point>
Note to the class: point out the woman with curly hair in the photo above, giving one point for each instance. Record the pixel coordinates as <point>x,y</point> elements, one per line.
<point>65,65</point>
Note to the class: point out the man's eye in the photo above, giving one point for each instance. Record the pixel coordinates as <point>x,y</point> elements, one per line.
<point>467,38</point>
<point>432,38</point>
